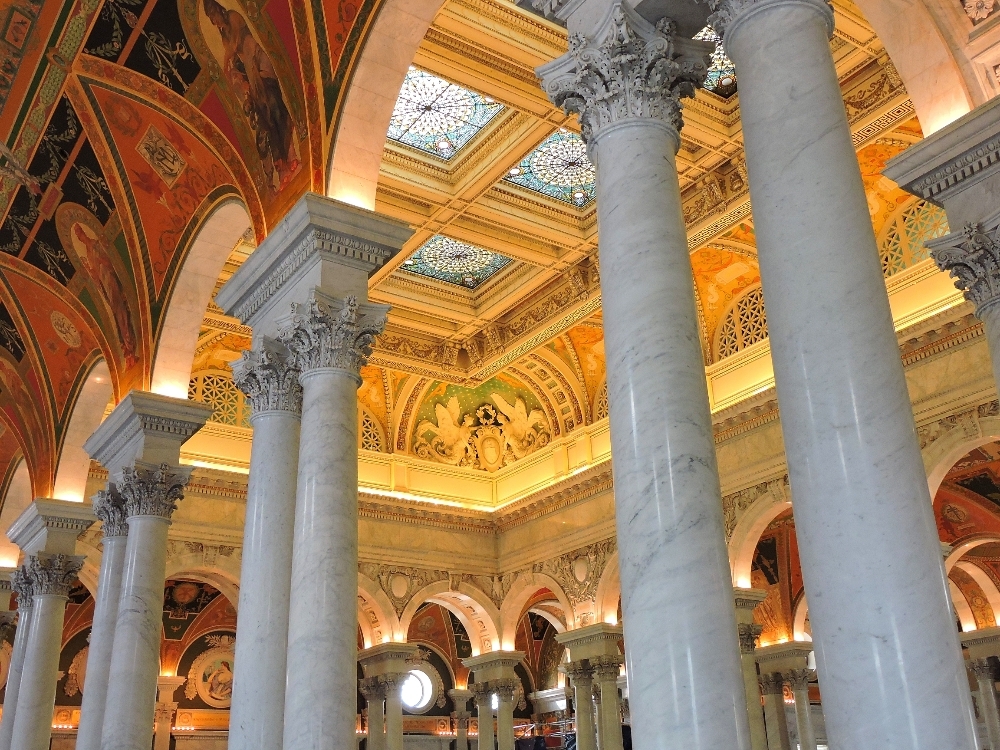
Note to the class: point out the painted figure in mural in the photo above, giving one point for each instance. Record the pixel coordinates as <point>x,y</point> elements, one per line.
<point>253,79</point>
<point>220,682</point>
<point>94,255</point>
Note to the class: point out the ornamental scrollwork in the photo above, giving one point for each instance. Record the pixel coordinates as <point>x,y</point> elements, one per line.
<point>629,68</point>
<point>972,256</point>
<point>150,490</point>
<point>267,378</point>
<point>109,506</point>
<point>52,575</point>
<point>317,338</point>
<point>579,572</point>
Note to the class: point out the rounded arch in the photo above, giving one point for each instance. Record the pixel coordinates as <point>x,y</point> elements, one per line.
<point>16,501</point>
<point>477,613</point>
<point>941,454</point>
<point>984,582</point>
<point>213,242</point>
<point>962,608</point>
<point>386,54</point>
<point>88,412</point>
<point>521,592</point>
<point>223,573</point>
<point>609,592</point>
<point>376,616</point>
<point>768,506</point>
<point>958,551</point>
<point>799,617</point>
<point>934,79</point>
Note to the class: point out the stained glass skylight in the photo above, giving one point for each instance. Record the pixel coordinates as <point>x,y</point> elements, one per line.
<point>455,262</point>
<point>721,78</point>
<point>558,168</point>
<point>437,116</point>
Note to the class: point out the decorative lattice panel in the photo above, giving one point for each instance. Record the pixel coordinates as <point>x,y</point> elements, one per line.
<point>371,435</point>
<point>744,325</point>
<point>601,404</point>
<point>904,240</point>
<point>217,389</point>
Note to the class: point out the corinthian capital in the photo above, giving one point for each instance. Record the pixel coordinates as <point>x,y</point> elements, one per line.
<point>21,583</point>
<point>799,679</point>
<point>727,14</point>
<point>981,668</point>
<point>372,689</point>
<point>52,575</point>
<point>627,69</point>
<point>749,633</point>
<point>109,506</point>
<point>772,684</point>
<point>268,379</point>
<point>150,490</point>
<point>972,256</point>
<point>318,338</point>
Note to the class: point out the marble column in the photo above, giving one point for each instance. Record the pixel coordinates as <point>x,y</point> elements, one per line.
<point>461,700</point>
<point>392,684</point>
<point>581,677</point>
<point>846,415</point>
<point>373,689</point>
<point>110,508</point>
<point>625,80</point>
<point>166,709</point>
<point>798,680</point>
<point>51,577</point>
<point>272,389</point>
<point>985,679</point>
<point>484,706</point>
<point>747,600</point>
<point>329,342</point>
<point>772,685</point>
<point>609,722</point>
<point>506,692</point>
<point>150,496</point>
<point>22,587</point>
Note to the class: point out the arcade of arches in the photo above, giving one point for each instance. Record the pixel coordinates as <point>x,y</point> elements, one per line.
<point>320,323</point>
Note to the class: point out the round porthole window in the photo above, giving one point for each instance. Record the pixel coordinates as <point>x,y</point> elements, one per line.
<point>417,692</point>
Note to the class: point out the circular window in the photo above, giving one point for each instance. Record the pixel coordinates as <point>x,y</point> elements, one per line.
<point>417,692</point>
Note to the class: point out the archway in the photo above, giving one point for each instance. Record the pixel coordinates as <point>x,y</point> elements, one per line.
<point>478,615</point>
<point>16,501</point>
<point>969,433</point>
<point>521,593</point>
<point>88,411</point>
<point>743,542</point>
<point>223,573</point>
<point>376,616</point>
<point>609,592</point>
<point>189,298</point>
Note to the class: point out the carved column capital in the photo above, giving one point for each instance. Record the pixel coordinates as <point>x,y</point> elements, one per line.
<point>580,673</point>
<point>21,583</point>
<point>109,506</point>
<point>268,379</point>
<point>607,667</point>
<point>728,14</point>
<point>749,633</point>
<point>972,256</point>
<point>799,679</point>
<point>52,575</point>
<point>772,684</point>
<point>372,689</point>
<point>481,694</point>
<point>505,689</point>
<point>320,338</point>
<point>981,668</point>
<point>627,69</point>
<point>150,490</point>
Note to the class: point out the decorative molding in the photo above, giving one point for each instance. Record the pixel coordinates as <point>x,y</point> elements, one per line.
<point>579,571</point>
<point>736,504</point>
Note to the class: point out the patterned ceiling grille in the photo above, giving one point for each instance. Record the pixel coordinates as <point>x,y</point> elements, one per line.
<point>721,78</point>
<point>744,325</point>
<point>907,233</point>
<point>217,389</point>
<point>438,117</point>
<point>558,168</point>
<point>455,262</point>
<point>601,403</point>
<point>369,434</point>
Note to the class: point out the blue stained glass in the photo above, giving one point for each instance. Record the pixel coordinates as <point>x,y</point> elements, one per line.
<point>437,116</point>
<point>455,262</point>
<point>721,78</point>
<point>558,168</point>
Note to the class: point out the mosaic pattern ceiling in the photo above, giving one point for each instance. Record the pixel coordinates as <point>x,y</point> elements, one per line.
<point>455,262</point>
<point>438,117</point>
<point>558,168</point>
<point>721,78</point>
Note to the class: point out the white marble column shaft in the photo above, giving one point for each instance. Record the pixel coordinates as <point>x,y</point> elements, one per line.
<point>150,494</point>
<point>798,681</point>
<point>506,690</point>
<point>328,347</point>
<point>748,644</point>
<point>22,586</point>
<point>606,672</point>
<point>393,711</point>
<point>484,706</point>
<point>110,508</point>
<point>887,652</point>
<point>775,719</point>
<point>986,681</point>
<point>273,391</point>
<point>374,692</point>
<point>582,679</point>
<point>460,698</point>
<point>685,680</point>
<point>51,578</point>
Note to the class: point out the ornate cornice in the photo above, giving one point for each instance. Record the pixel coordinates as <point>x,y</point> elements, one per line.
<point>109,506</point>
<point>268,380</point>
<point>627,69</point>
<point>318,339</point>
<point>149,490</point>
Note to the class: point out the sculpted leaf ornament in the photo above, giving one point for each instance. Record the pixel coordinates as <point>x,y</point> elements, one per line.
<point>150,490</point>
<point>628,69</point>
<point>317,338</point>
<point>268,379</point>
<point>109,506</point>
<point>972,256</point>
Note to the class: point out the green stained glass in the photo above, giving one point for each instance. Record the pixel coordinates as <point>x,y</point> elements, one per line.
<point>558,168</point>
<point>455,262</point>
<point>721,78</point>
